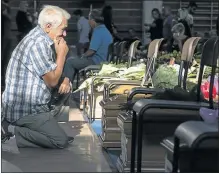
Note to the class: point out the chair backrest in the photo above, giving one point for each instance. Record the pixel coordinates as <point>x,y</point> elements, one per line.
<point>118,52</point>
<point>186,59</point>
<point>153,49</point>
<point>210,57</point>
<point>153,52</point>
<point>121,50</point>
<point>115,47</point>
<point>110,53</point>
<point>131,52</point>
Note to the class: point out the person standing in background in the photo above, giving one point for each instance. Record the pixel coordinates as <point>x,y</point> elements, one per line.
<point>181,31</point>
<point>156,27</point>
<point>107,14</point>
<point>191,10</point>
<point>167,27</point>
<point>24,20</point>
<point>83,28</point>
<point>97,52</point>
<point>6,36</point>
<point>182,18</point>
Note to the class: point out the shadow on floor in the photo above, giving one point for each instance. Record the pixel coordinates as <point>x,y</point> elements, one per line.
<point>83,155</point>
<point>72,159</point>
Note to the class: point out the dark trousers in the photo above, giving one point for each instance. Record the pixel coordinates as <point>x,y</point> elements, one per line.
<point>73,65</point>
<point>43,129</point>
<point>82,48</point>
<point>40,130</point>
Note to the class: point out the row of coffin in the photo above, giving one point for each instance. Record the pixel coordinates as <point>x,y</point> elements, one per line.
<point>125,112</point>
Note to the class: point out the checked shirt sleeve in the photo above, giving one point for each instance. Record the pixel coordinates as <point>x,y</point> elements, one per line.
<point>41,57</point>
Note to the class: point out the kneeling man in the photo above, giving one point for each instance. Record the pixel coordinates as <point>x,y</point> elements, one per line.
<point>34,69</point>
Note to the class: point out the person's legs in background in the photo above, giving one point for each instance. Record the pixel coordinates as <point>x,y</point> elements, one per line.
<point>72,65</point>
<point>82,48</point>
<point>79,47</point>
<point>86,46</point>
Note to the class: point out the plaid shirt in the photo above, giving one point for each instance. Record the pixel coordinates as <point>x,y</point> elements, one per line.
<point>25,92</point>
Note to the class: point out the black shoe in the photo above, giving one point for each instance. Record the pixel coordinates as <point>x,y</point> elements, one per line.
<point>5,137</point>
<point>70,140</point>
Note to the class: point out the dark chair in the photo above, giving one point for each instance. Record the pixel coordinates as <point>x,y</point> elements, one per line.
<point>183,151</point>
<point>116,46</point>
<point>194,149</point>
<point>120,52</point>
<point>110,53</point>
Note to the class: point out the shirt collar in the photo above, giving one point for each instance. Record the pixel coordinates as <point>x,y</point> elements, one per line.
<point>45,35</point>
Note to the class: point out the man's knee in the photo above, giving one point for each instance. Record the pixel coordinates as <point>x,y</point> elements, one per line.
<point>61,142</point>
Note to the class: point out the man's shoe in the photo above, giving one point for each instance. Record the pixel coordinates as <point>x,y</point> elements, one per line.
<point>70,140</point>
<point>6,136</point>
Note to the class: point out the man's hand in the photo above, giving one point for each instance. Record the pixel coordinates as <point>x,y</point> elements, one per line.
<point>89,53</point>
<point>65,87</point>
<point>61,48</point>
<point>52,78</point>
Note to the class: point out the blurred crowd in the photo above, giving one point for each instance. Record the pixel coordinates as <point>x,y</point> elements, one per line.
<point>25,21</point>
<point>174,28</point>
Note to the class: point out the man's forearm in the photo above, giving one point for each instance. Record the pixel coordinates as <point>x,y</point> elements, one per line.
<point>60,65</point>
<point>58,71</point>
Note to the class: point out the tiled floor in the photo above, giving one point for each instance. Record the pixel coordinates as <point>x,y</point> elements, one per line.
<point>84,155</point>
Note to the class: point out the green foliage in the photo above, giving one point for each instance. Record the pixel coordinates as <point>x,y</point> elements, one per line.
<point>116,72</point>
<point>166,76</point>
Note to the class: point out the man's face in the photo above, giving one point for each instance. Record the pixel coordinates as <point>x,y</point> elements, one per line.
<point>25,6</point>
<point>92,23</point>
<point>155,15</point>
<point>59,32</point>
<point>192,10</point>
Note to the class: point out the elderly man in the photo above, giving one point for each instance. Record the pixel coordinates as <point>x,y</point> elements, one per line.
<point>35,68</point>
<point>97,52</point>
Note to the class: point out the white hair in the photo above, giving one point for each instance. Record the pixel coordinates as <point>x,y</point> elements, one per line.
<point>52,15</point>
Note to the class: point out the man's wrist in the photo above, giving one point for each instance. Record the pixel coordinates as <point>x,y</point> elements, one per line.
<point>66,79</point>
<point>60,56</point>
